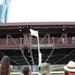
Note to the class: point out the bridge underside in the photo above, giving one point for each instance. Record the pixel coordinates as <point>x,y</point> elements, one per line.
<point>57,42</point>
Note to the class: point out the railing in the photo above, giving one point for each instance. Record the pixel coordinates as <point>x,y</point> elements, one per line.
<point>18,43</point>
<point>37,73</point>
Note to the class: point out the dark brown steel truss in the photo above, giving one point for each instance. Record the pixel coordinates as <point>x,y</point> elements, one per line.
<point>59,36</point>
<point>28,41</point>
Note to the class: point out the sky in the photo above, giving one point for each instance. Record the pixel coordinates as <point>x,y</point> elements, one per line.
<point>0,1</point>
<point>41,11</point>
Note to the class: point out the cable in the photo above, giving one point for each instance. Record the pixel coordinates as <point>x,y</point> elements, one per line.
<point>65,56</point>
<point>22,51</point>
<point>31,55</point>
<point>50,54</point>
<point>10,58</point>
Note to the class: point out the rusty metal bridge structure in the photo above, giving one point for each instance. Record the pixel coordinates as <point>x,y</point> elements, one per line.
<point>57,42</point>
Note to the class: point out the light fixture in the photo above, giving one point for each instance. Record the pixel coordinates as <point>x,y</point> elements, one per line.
<point>20,30</point>
<point>63,29</point>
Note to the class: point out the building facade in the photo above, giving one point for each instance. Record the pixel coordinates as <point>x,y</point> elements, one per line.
<point>4,9</point>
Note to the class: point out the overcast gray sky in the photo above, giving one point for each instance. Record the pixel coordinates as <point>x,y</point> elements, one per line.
<point>41,10</point>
